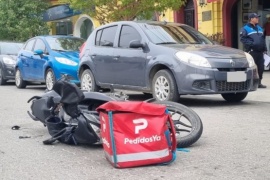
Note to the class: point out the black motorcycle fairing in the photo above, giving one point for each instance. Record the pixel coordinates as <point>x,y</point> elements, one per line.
<point>69,93</point>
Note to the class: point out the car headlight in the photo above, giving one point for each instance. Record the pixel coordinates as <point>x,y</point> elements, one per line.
<point>194,59</point>
<point>8,61</point>
<point>250,60</point>
<point>66,61</point>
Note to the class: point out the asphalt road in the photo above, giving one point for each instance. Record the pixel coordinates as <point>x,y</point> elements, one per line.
<point>234,145</point>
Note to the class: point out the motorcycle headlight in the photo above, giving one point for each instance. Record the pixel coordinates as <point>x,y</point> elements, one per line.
<point>66,61</point>
<point>250,60</point>
<point>8,61</point>
<point>194,59</point>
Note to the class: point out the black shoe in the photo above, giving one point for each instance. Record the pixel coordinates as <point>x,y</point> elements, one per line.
<point>261,86</point>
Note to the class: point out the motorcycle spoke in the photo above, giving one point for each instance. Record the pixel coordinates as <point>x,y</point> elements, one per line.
<point>182,130</point>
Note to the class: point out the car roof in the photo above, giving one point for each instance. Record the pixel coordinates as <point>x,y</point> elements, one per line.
<point>142,22</point>
<point>56,36</point>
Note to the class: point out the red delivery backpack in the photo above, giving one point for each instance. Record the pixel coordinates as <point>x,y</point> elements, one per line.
<point>137,133</point>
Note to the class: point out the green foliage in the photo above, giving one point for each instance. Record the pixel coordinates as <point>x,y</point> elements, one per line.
<point>22,19</point>
<point>115,10</point>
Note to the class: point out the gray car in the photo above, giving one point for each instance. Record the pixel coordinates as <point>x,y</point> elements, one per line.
<point>166,60</point>
<point>8,58</point>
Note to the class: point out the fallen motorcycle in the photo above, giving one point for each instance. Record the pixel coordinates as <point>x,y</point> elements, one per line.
<point>69,112</point>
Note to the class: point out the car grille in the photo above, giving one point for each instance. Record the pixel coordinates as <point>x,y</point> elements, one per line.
<point>232,86</point>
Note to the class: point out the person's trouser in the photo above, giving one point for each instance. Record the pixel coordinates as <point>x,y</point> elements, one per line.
<point>267,40</point>
<point>259,61</point>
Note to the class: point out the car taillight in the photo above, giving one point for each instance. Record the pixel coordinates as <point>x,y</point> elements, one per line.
<point>81,49</point>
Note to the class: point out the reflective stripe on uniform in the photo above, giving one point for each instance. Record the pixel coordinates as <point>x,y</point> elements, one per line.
<point>139,156</point>
<point>254,33</point>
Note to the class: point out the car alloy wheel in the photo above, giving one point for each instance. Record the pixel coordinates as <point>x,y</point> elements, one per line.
<point>88,82</point>
<point>164,87</point>
<point>19,82</point>
<point>50,79</point>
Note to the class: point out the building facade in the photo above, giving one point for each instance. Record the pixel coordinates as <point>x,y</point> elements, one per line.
<point>221,20</point>
<point>63,20</point>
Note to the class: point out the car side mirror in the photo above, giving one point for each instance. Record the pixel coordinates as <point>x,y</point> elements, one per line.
<point>39,52</point>
<point>136,44</point>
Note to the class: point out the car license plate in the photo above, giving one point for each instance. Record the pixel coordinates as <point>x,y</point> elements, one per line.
<point>238,76</point>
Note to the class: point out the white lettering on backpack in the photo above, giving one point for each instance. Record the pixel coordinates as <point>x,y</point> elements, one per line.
<point>143,125</point>
<point>142,140</point>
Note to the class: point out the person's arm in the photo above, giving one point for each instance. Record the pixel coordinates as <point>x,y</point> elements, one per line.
<point>247,41</point>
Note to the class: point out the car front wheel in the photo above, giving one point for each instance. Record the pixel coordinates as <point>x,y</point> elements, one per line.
<point>164,86</point>
<point>50,79</point>
<point>88,82</point>
<point>234,97</point>
<point>19,82</point>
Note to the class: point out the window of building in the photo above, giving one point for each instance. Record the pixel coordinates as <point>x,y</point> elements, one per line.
<point>64,28</point>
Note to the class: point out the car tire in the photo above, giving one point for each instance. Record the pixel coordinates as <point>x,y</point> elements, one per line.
<point>88,82</point>
<point>234,97</point>
<point>19,82</point>
<point>2,80</point>
<point>164,87</point>
<point>49,79</point>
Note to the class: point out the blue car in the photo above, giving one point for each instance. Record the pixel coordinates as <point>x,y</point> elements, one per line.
<point>44,59</point>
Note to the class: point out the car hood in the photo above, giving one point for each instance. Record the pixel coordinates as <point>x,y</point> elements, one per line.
<point>210,51</point>
<point>14,57</point>
<point>72,55</point>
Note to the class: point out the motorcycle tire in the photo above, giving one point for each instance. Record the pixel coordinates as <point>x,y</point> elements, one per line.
<point>187,123</point>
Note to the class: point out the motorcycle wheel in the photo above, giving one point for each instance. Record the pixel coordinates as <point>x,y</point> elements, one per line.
<point>187,123</point>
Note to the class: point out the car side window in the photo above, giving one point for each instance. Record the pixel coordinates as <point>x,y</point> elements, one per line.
<point>97,41</point>
<point>107,36</point>
<point>29,45</point>
<point>40,45</point>
<point>127,35</point>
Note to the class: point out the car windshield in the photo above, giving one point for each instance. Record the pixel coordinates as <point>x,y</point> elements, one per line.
<point>65,43</point>
<point>174,34</point>
<point>10,48</point>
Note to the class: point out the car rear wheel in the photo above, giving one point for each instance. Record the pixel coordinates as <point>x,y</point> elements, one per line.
<point>50,79</point>
<point>88,82</point>
<point>19,82</point>
<point>164,86</point>
<point>234,97</point>
<point>2,80</point>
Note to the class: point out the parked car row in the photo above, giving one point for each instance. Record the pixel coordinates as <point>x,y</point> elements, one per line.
<point>159,58</point>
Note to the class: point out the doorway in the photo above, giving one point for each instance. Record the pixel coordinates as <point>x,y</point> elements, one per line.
<point>189,13</point>
<point>234,27</point>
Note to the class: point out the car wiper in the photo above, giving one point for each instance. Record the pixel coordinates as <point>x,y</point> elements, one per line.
<point>167,43</point>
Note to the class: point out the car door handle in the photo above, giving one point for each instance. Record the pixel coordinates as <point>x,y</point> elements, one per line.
<point>116,57</point>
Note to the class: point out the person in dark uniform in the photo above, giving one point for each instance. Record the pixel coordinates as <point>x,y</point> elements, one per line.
<point>253,39</point>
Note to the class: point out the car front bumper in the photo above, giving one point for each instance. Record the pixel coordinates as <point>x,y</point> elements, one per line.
<point>215,81</point>
<point>8,72</point>
<point>69,70</point>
